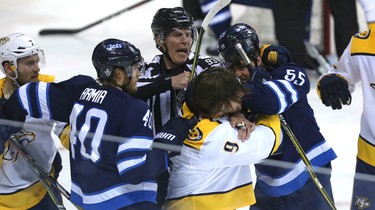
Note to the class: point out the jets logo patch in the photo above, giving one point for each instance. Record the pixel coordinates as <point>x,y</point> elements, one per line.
<point>362,202</point>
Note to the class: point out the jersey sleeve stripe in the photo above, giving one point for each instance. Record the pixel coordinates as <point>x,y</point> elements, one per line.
<point>108,194</point>
<point>126,165</point>
<point>43,99</point>
<point>135,143</point>
<point>279,95</point>
<point>291,90</point>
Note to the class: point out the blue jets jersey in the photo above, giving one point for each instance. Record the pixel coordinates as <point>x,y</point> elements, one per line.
<point>286,93</point>
<point>112,165</point>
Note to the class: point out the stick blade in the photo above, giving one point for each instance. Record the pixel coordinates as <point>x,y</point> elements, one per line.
<point>207,19</point>
<point>58,32</point>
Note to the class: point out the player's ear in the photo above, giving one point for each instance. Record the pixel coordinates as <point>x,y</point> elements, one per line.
<point>9,68</point>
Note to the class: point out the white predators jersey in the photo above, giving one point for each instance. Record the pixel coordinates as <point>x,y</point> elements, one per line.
<point>357,63</point>
<point>19,186</point>
<point>213,170</point>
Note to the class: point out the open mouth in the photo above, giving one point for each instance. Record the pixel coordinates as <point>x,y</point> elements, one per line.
<point>184,51</point>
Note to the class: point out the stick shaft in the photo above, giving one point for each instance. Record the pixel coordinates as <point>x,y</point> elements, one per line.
<point>294,140</point>
<point>74,31</point>
<point>40,174</point>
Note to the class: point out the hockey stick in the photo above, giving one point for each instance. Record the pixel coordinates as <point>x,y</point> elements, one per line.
<point>207,19</point>
<point>293,138</point>
<point>37,171</point>
<point>314,53</point>
<point>74,31</point>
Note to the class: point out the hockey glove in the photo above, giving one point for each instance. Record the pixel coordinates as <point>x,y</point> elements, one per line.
<point>333,90</point>
<point>260,75</point>
<point>175,131</point>
<point>274,55</point>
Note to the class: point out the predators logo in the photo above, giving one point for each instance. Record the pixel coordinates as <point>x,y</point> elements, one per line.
<point>24,138</point>
<point>362,202</point>
<point>195,134</point>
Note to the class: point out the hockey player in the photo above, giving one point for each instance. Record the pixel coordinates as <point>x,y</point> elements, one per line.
<point>285,93</point>
<point>21,59</point>
<point>213,170</point>
<point>334,89</point>
<point>112,166</point>
<point>169,73</point>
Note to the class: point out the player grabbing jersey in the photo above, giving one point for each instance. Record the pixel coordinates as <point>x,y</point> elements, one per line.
<point>213,170</point>
<point>284,93</point>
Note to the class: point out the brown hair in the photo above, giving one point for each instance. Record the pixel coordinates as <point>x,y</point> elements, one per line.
<point>214,89</point>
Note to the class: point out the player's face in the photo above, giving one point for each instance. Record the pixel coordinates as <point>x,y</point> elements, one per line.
<point>28,69</point>
<point>132,87</point>
<point>241,72</point>
<point>178,44</point>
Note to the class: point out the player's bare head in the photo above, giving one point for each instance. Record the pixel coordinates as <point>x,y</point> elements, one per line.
<point>112,54</point>
<point>244,35</point>
<point>216,91</point>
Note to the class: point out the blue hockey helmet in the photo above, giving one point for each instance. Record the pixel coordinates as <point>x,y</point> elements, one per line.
<point>113,53</point>
<point>238,33</point>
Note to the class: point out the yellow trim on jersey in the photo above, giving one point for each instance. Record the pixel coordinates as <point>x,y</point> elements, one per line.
<point>2,81</point>
<point>366,151</point>
<point>46,78</point>
<point>239,197</point>
<point>273,122</point>
<point>64,136</point>
<point>186,113</point>
<point>371,25</point>
<point>362,43</point>
<point>23,199</point>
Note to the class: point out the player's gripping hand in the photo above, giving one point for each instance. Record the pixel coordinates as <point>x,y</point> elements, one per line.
<point>175,131</point>
<point>274,55</point>
<point>333,90</point>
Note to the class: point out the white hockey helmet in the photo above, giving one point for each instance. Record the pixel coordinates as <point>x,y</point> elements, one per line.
<point>15,46</point>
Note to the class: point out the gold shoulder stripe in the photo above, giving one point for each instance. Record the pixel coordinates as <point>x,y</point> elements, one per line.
<point>362,43</point>
<point>198,134</point>
<point>46,78</point>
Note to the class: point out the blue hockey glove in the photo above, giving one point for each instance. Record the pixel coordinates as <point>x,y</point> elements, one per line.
<point>175,131</point>
<point>274,55</point>
<point>334,91</point>
<point>260,75</point>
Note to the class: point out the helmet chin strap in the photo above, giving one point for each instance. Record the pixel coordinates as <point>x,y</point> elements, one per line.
<point>13,78</point>
<point>165,53</point>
